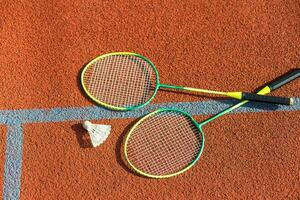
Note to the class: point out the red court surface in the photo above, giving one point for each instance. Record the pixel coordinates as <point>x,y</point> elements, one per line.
<point>221,45</point>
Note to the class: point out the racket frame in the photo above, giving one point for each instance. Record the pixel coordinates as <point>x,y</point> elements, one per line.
<point>198,126</point>
<point>118,107</point>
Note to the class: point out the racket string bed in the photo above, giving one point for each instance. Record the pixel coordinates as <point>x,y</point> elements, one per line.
<point>141,81</point>
<point>164,143</point>
<point>121,80</point>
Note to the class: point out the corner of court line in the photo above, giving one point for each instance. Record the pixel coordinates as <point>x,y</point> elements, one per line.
<point>2,155</point>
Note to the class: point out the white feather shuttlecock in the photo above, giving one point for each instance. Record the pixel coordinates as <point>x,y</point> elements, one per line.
<point>97,132</point>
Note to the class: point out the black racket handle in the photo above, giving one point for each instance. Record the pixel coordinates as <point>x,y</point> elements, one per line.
<point>284,79</point>
<point>268,99</point>
<point>278,82</point>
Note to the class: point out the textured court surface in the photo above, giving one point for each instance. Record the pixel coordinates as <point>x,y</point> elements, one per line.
<point>227,45</point>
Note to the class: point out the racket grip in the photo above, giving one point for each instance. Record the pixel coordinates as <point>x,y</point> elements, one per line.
<point>268,99</point>
<point>284,79</point>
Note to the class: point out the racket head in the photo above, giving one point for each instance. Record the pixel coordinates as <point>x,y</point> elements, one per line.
<point>103,80</point>
<point>164,143</point>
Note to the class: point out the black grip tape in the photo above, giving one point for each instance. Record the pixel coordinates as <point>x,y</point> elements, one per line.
<point>284,79</point>
<point>269,99</point>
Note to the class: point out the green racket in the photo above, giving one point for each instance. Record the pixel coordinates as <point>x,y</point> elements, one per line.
<point>167,142</point>
<point>126,81</point>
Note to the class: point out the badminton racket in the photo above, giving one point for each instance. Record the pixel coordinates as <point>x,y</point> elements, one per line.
<point>167,142</point>
<point>126,81</point>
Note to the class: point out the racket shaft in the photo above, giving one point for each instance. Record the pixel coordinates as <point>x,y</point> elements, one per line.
<point>236,95</point>
<point>191,89</point>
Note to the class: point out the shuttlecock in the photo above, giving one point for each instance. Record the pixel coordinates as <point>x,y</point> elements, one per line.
<point>97,132</point>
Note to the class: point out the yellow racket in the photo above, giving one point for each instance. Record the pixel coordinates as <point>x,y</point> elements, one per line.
<point>167,142</point>
<point>126,81</point>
